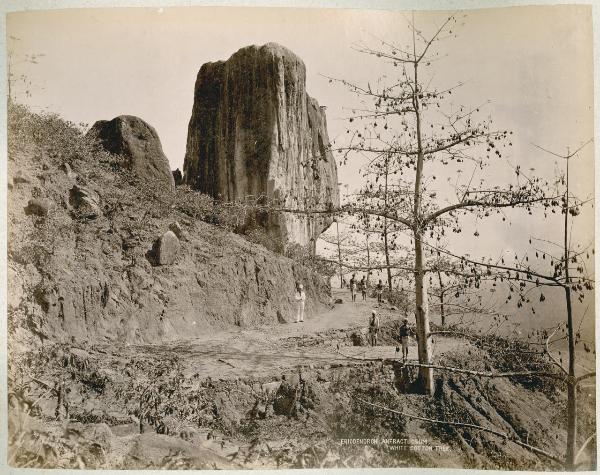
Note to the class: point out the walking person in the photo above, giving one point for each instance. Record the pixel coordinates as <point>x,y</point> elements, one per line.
<point>373,328</point>
<point>300,300</point>
<point>404,333</point>
<point>353,287</point>
<point>379,291</point>
<point>363,288</point>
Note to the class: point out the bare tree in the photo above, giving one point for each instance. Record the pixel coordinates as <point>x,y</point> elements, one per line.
<point>567,271</point>
<point>406,123</point>
<point>339,241</point>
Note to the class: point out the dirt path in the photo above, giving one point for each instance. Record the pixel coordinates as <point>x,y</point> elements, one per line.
<point>320,340</point>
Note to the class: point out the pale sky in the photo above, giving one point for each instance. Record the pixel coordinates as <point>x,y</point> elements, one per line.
<point>533,63</point>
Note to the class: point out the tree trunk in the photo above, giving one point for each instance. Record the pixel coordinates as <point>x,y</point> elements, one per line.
<point>571,426</point>
<point>337,228</point>
<point>571,385</point>
<point>368,262</point>
<point>386,248</point>
<point>422,319</point>
<point>571,391</point>
<point>387,255</point>
<point>421,301</point>
<point>441,298</point>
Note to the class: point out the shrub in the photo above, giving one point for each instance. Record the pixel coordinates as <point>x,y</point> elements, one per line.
<point>60,140</point>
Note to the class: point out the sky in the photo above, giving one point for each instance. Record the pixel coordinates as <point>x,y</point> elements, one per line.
<point>533,65</point>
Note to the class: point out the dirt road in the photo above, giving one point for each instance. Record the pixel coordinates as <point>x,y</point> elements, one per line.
<point>321,340</point>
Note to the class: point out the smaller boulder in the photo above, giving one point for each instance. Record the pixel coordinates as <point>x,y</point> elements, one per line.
<point>338,301</point>
<point>284,403</point>
<point>177,230</point>
<point>166,248</point>
<point>358,339</point>
<point>37,207</point>
<point>85,201</point>
<point>225,411</point>
<point>178,177</point>
<point>280,318</point>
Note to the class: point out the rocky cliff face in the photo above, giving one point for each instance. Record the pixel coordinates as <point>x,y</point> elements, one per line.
<point>254,131</point>
<point>138,143</point>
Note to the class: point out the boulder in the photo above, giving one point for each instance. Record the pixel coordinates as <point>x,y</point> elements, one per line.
<point>255,132</point>
<point>138,143</point>
<point>177,230</point>
<point>165,249</point>
<point>280,318</point>
<point>225,411</point>
<point>284,403</point>
<point>177,177</point>
<point>37,207</point>
<point>295,394</point>
<point>358,339</point>
<point>85,201</point>
<point>338,301</point>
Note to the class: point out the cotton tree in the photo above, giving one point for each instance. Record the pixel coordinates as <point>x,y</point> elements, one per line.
<point>381,191</point>
<point>439,153</point>
<point>556,261</point>
<point>338,240</point>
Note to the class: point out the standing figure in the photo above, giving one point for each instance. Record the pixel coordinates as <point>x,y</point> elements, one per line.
<point>353,287</point>
<point>404,332</point>
<point>363,288</point>
<point>379,289</point>
<point>300,299</point>
<point>373,328</point>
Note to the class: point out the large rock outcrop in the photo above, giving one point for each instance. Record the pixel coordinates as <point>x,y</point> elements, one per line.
<point>138,142</point>
<point>254,131</point>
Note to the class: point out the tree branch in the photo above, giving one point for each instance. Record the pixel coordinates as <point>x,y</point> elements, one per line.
<point>483,374</point>
<point>585,376</point>
<point>482,204</point>
<point>550,355</point>
<point>580,451</point>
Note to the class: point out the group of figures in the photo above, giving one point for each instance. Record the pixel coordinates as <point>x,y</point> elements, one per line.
<point>363,286</point>
<point>374,322</point>
<point>404,333</point>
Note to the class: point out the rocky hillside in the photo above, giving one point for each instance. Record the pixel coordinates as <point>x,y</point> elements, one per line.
<point>254,131</point>
<point>99,253</point>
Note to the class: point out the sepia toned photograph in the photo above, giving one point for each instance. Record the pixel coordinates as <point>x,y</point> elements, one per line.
<point>253,238</point>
